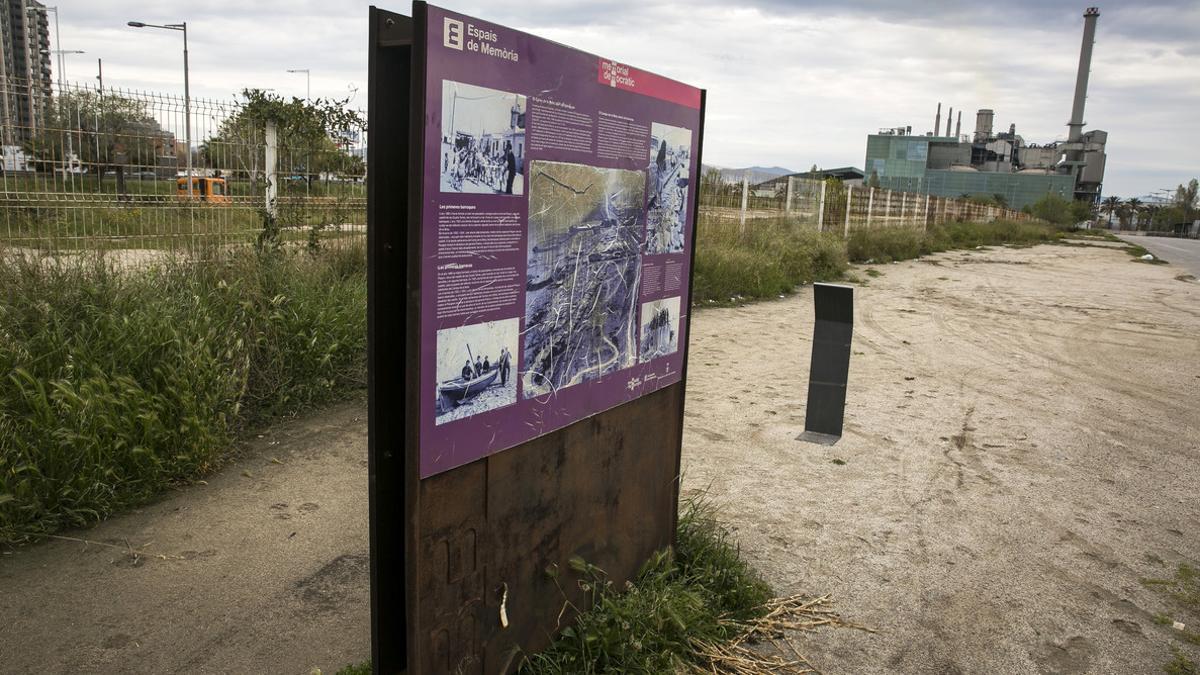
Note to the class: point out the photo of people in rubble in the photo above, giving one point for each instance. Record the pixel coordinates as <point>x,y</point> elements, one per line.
<point>483,140</point>
<point>666,212</point>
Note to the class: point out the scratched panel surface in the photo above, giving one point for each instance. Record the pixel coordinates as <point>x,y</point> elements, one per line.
<point>603,489</point>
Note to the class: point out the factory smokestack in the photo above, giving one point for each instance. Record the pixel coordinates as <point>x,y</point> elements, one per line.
<point>958,125</point>
<point>937,120</point>
<point>1090,16</point>
<point>983,125</point>
<point>948,119</point>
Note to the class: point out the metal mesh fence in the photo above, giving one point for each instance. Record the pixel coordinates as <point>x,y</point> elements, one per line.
<point>832,206</point>
<point>108,168</point>
<point>92,168</point>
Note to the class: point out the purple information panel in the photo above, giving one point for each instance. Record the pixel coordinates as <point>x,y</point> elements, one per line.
<point>556,237</point>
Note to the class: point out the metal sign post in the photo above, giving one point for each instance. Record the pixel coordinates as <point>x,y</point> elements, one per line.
<point>830,369</point>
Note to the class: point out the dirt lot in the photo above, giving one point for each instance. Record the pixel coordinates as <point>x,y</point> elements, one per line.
<point>1022,441</point>
<point>1023,437</point>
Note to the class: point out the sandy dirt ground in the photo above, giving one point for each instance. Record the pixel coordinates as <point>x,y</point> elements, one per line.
<point>264,569</point>
<point>1022,442</point>
<point>1021,448</point>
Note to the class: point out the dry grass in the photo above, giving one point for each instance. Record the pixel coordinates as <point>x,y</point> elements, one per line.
<point>764,644</point>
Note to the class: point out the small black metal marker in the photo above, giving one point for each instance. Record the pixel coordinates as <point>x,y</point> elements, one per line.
<point>830,363</point>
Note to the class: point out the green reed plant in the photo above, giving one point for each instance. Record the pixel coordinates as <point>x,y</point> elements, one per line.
<point>115,382</point>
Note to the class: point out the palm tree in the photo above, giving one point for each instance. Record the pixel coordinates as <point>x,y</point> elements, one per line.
<point>1110,206</point>
<point>1135,210</point>
<point>1150,210</point>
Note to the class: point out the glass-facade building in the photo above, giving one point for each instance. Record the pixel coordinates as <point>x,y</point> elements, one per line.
<point>923,164</point>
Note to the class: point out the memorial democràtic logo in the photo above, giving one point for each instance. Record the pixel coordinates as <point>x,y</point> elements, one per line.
<point>452,33</point>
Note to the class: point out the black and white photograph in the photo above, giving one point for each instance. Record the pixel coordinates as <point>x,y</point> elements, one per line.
<point>660,329</point>
<point>483,140</point>
<point>585,229</point>
<point>476,369</point>
<point>666,211</point>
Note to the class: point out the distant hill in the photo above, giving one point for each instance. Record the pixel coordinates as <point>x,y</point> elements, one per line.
<point>758,174</point>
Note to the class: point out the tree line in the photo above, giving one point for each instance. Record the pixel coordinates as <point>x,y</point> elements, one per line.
<point>89,132</point>
<point>1180,211</point>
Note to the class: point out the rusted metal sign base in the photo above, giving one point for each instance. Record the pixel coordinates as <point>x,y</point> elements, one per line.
<point>502,530</point>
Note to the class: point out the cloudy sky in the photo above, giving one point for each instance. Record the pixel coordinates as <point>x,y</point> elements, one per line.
<point>790,82</point>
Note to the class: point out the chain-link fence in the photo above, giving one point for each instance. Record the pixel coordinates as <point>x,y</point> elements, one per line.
<point>833,206</point>
<point>105,168</point>
<point>109,169</point>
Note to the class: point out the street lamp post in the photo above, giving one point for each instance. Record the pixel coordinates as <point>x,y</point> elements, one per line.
<point>57,44</point>
<point>62,87</point>
<point>187,96</point>
<point>307,82</point>
<point>307,100</point>
<point>62,64</point>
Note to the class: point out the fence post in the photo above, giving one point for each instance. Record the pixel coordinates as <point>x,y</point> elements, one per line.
<point>272,160</point>
<point>787,204</point>
<point>870,205</point>
<point>821,210</point>
<point>903,207</point>
<point>925,216</point>
<point>849,196</point>
<point>745,197</point>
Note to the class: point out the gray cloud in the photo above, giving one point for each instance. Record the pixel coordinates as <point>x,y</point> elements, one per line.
<point>790,82</point>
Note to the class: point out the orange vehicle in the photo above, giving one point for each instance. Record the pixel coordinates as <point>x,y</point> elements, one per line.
<point>204,188</point>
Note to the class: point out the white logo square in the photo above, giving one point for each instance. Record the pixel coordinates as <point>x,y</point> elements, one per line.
<point>452,33</point>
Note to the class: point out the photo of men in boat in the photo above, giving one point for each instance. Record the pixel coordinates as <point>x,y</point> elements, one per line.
<point>483,140</point>
<point>666,211</point>
<point>475,369</point>
<point>585,235</point>
<point>660,328</point>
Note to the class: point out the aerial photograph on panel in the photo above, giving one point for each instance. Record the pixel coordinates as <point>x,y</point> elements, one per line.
<point>585,227</point>
<point>483,140</point>
<point>670,154</point>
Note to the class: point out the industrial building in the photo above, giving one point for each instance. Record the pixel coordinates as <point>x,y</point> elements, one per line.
<point>849,175</point>
<point>950,164</point>
<point>24,68</point>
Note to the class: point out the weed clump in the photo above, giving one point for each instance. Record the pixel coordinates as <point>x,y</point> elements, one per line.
<point>765,259</point>
<point>1181,665</point>
<point>119,382</point>
<point>884,245</point>
<point>770,257</point>
<point>696,594</point>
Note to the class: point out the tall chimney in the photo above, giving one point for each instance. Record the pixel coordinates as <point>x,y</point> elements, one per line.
<point>983,125</point>
<point>948,121</point>
<point>1090,16</point>
<point>937,120</point>
<point>958,126</point>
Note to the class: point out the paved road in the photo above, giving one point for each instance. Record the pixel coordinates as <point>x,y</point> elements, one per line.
<point>1182,252</point>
